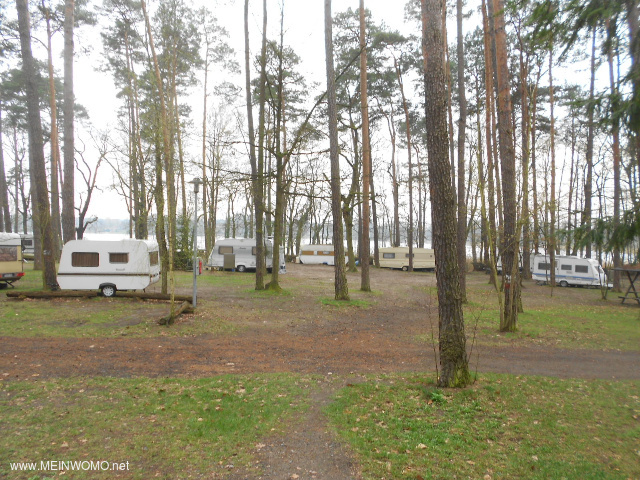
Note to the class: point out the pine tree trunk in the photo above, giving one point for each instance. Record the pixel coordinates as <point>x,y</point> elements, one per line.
<point>452,342</point>
<point>615,133</point>
<point>510,244</point>
<point>588,184</point>
<point>4,190</point>
<point>68,189</point>
<point>462,127</point>
<point>341,286</point>
<point>551,240</point>
<point>41,205</point>
<point>256,167</point>
<point>365,252</point>
<point>55,146</point>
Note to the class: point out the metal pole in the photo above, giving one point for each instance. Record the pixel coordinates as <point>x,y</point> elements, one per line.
<point>195,245</point>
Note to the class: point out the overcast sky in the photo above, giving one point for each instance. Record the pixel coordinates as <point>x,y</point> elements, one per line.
<point>304,32</point>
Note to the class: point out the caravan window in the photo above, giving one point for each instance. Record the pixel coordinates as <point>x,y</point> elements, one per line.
<point>27,242</point>
<point>222,250</point>
<point>153,258</point>
<point>118,258</point>
<point>8,254</point>
<point>566,268</point>
<point>306,252</point>
<point>406,255</point>
<point>85,259</point>
<point>582,269</point>
<point>544,266</point>
<point>388,255</point>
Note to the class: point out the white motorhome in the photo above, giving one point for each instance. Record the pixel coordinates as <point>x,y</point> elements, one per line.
<point>240,254</point>
<point>398,257</point>
<point>317,255</point>
<point>109,265</point>
<point>569,270</point>
<point>11,266</point>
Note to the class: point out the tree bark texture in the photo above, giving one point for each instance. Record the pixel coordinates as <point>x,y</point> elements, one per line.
<point>510,242</point>
<point>365,253</point>
<point>41,206</point>
<point>68,190</point>
<point>462,128</point>
<point>341,286</point>
<point>452,341</point>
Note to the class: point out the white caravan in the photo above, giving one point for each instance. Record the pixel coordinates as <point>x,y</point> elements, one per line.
<point>317,255</point>
<point>398,257</point>
<point>569,271</point>
<point>11,266</point>
<point>240,255</point>
<point>109,265</point>
<point>28,250</point>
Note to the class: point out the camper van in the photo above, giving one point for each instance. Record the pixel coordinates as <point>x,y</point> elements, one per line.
<point>398,257</point>
<point>11,267</point>
<point>317,255</point>
<point>240,254</point>
<point>109,265</point>
<point>569,271</point>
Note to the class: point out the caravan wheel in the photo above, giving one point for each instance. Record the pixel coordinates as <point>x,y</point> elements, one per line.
<point>241,268</point>
<point>405,268</point>
<point>564,283</point>
<point>108,291</point>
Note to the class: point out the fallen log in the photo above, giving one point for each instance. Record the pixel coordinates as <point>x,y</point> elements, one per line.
<point>186,307</point>
<point>154,296</point>
<point>90,294</point>
<point>51,294</point>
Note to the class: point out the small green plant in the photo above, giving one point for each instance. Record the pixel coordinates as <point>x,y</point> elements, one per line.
<point>436,396</point>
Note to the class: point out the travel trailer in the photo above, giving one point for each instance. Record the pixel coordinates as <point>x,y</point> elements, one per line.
<point>317,255</point>
<point>569,271</point>
<point>28,250</point>
<point>11,267</point>
<point>240,254</point>
<point>398,257</point>
<point>109,265</point>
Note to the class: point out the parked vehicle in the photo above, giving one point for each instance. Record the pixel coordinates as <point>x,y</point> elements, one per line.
<point>28,250</point>
<point>569,270</point>
<point>240,254</point>
<point>11,260</point>
<point>317,255</point>
<point>398,257</point>
<point>109,265</point>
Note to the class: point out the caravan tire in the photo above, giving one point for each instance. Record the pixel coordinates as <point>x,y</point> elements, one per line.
<point>108,291</point>
<point>564,283</point>
<point>241,268</point>
<point>405,268</point>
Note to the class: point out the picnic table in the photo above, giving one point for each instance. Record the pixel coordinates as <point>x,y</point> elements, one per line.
<point>632,274</point>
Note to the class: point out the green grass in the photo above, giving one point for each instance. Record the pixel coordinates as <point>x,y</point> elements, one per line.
<point>177,427</point>
<point>590,325</point>
<point>345,303</point>
<point>502,427</point>
<point>76,317</point>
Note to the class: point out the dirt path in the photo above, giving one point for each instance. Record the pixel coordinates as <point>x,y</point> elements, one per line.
<point>276,351</point>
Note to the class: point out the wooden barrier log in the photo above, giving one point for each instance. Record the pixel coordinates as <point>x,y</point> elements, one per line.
<point>49,294</point>
<point>90,294</point>
<point>186,307</point>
